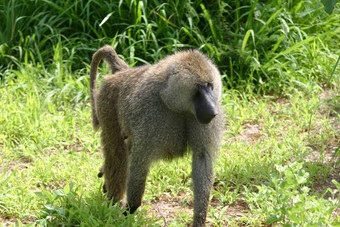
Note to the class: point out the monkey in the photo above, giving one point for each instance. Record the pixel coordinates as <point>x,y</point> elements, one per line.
<point>157,111</point>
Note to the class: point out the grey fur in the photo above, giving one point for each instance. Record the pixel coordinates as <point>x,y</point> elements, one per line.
<point>148,113</point>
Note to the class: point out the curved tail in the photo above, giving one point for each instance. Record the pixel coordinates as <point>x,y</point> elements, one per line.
<point>115,63</point>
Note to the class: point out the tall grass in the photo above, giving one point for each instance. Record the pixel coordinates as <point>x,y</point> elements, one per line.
<point>261,45</point>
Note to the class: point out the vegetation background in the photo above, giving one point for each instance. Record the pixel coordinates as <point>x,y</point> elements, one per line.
<point>279,163</point>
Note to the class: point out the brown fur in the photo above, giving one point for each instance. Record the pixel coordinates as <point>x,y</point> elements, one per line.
<point>115,64</point>
<point>148,113</point>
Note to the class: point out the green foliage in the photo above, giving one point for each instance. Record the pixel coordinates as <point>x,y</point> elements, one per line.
<point>65,207</point>
<point>250,41</point>
<point>329,5</point>
<point>46,142</point>
<point>288,201</point>
<point>278,61</point>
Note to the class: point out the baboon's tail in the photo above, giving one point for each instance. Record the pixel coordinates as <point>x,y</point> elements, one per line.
<point>115,63</point>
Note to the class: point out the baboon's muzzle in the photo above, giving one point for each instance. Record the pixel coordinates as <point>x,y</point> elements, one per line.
<point>205,104</point>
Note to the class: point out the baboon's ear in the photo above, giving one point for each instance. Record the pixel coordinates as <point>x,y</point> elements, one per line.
<point>205,104</point>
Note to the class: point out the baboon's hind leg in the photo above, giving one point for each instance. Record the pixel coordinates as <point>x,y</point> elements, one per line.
<point>115,161</point>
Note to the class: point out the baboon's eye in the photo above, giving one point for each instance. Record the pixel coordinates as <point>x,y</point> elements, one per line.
<point>207,85</point>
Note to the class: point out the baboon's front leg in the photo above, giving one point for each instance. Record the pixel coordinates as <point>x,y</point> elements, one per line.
<point>202,174</point>
<point>138,171</point>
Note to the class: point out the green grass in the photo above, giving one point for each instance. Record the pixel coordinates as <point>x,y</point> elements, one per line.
<point>267,47</point>
<point>47,143</point>
<point>281,102</point>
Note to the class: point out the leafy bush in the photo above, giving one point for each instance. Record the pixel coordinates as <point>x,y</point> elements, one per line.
<point>288,201</point>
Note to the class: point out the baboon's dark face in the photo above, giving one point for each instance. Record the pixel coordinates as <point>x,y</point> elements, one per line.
<point>205,103</point>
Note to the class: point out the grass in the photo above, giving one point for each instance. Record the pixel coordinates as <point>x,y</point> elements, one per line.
<point>281,102</point>
<point>50,156</point>
<point>251,42</point>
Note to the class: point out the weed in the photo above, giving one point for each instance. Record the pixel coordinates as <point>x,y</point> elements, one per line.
<point>286,200</point>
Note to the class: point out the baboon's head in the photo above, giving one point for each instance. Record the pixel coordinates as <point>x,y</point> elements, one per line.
<point>193,86</point>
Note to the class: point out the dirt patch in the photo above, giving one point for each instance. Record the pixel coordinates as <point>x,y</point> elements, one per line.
<point>238,209</point>
<point>168,208</point>
<point>322,184</point>
<point>6,167</point>
<point>11,221</point>
<point>251,133</point>
<point>325,153</point>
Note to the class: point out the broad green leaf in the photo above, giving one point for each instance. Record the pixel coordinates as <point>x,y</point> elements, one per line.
<point>68,188</point>
<point>295,218</point>
<point>40,195</point>
<point>329,5</point>
<point>50,207</point>
<point>273,218</point>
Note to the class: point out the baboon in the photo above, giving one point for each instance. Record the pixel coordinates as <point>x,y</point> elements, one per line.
<point>153,112</point>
